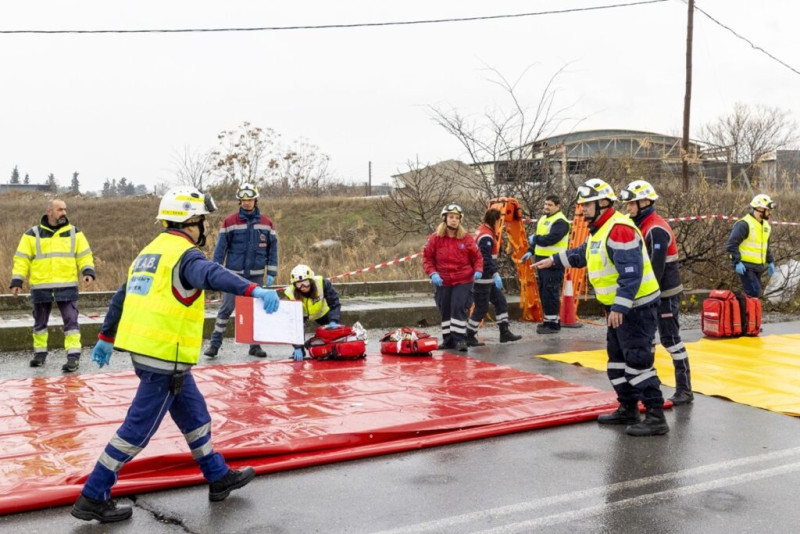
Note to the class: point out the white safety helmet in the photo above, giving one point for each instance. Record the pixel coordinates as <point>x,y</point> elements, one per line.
<point>762,201</point>
<point>301,272</point>
<point>247,191</point>
<point>638,190</point>
<point>595,189</point>
<point>180,204</point>
<point>452,208</point>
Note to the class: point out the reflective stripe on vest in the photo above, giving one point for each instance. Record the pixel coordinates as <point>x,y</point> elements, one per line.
<point>313,309</point>
<point>603,274</point>
<point>754,248</point>
<point>157,321</point>
<point>53,265</point>
<point>543,228</point>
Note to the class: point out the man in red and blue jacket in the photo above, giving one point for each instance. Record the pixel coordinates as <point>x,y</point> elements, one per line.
<point>247,245</point>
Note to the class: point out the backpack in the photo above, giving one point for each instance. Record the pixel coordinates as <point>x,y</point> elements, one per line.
<point>722,314</point>
<point>408,342</point>
<point>339,343</point>
<point>750,310</point>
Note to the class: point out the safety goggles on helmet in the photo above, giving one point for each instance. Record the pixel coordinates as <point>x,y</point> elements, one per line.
<point>452,208</point>
<point>762,201</point>
<point>638,190</point>
<point>247,192</point>
<point>595,189</point>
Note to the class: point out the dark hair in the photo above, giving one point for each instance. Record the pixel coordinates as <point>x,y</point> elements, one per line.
<point>491,217</point>
<point>554,199</point>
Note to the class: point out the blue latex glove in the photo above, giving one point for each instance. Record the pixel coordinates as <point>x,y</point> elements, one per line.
<point>331,325</point>
<point>298,354</point>
<point>478,275</point>
<point>532,239</point>
<point>270,279</point>
<point>498,282</point>
<point>525,257</point>
<point>437,280</point>
<point>101,353</point>
<point>740,268</point>
<point>771,268</point>
<point>269,297</point>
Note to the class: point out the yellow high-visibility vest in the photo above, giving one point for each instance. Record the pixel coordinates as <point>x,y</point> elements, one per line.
<point>754,248</point>
<point>543,228</point>
<point>603,274</point>
<point>157,321</point>
<point>315,308</point>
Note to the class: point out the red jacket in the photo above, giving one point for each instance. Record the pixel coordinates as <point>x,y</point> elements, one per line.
<point>456,260</point>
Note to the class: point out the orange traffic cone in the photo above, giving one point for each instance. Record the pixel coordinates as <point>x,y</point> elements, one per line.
<point>569,316</point>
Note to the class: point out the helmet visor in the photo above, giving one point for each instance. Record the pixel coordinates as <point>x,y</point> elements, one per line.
<point>246,194</point>
<point>585,191</point>
<point>208,202</point>
<point>452,208</point>
<point>626,195</point>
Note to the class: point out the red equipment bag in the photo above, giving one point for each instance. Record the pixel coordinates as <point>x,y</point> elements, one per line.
<point>751,314</point>
<point>408,342</point>
<point>339,343</point>
<point>721,315</point>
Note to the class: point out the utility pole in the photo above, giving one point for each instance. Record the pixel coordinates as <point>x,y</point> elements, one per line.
<point>369,180</point>
<point>687,98</point>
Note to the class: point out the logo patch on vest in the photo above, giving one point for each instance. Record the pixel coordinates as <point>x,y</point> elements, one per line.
<point>146,263</point>
<point>594,247</point>
<point>139,284</point>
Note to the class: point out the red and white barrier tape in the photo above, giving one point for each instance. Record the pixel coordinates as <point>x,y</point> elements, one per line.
<point>378,266</point>
<point>672,219</point>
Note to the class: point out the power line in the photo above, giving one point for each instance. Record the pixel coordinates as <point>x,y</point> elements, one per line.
<point>331,26</point>
<point>748,41</point>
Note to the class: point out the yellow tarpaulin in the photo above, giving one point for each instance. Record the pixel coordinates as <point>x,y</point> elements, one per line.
<point>759,371</point>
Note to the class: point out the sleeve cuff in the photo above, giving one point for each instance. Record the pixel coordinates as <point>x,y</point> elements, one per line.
<point>250,290</point>
<point>105,338</point>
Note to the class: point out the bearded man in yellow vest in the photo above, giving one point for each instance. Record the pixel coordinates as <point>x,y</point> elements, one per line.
<point>619,270</point>
<point>748,245</point>
<point>157,316</point>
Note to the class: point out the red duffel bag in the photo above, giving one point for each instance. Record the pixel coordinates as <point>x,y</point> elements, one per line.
<point>408,342</point>
<point>339,343</point>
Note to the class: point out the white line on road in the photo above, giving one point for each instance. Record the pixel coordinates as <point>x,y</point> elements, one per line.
<point>447,524</point>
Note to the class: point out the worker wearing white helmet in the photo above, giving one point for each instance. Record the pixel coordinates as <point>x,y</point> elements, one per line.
<point>620,272</point>
<point>748,245</point>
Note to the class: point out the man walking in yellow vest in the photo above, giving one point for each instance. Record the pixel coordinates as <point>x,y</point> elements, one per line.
<point>157,316</point>
<point>51,255</point>
<point>748,245</point>
<point>619,270</point>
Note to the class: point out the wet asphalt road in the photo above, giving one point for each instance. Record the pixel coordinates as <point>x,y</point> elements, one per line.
<point>724,467</point>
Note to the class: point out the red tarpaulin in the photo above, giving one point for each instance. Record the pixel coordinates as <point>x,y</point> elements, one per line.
<point>274,416</point>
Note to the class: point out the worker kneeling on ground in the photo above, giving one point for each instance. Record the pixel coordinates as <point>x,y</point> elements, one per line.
<point>158,316</point>
<point>319,298</point>
<point>624,283</point>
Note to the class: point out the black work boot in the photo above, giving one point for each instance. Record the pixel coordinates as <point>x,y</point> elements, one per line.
<point>472,341</point>
<point>548,328</point>
<point>212,351</point>
<point>682,396</point>
<point>257,351</point>
<point>507,335</point>
<point>71,365</point>
<point>447,343</point>
<point>654,424</point>
<point>626,414</point>
<point>104,511</point>
<point>461,346</point>
<point>38,359</point>
<point>233,479</point>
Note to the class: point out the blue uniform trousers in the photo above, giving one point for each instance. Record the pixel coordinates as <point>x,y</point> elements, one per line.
<point>550,282</point>
<point>453,303</point>
<point>669,332</point>
<point>751,283</point>
<point>152,402</point>
<point>225,311</point>
<point>482,295</point>
<point>631,357</point>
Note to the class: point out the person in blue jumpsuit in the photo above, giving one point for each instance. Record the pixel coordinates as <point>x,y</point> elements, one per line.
<point>247,245</point>
<point>158,317</point>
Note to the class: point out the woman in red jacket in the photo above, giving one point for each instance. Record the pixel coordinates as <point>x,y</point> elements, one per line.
<point>452,261</point>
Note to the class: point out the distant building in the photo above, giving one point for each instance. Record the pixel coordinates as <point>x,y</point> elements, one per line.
<point>5,188</point>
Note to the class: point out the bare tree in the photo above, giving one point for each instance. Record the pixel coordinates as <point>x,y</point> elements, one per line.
<point>301,169</point>
<point>192,166</point>
<point>414,204</point>
<point>751,132</point>
<point>242,154</point>
<point>501,145</point>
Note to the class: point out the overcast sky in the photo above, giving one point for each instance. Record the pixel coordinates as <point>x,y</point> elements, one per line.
<point>116,105</point>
